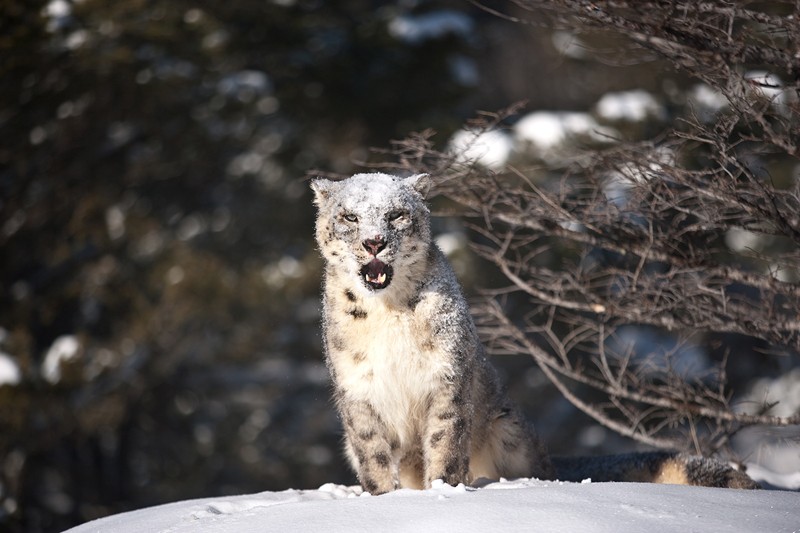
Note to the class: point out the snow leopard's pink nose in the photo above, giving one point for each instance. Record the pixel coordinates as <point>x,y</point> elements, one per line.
<point>375,245</point>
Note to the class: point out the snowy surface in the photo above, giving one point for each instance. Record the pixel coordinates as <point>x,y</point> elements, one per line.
<point>508,506</point>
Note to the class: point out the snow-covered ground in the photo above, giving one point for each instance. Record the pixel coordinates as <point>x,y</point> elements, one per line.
<point>507,506</point>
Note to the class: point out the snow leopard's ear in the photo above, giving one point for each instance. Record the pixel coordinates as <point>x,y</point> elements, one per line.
<point>322,189</point>
<point>420,183</point>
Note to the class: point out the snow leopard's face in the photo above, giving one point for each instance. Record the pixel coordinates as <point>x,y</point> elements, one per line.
<point>372,225</point>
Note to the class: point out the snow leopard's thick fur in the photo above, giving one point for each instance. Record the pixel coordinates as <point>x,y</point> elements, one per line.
<point>418,398</point>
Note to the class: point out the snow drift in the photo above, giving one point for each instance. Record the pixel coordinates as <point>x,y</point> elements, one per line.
<point>508,506</point>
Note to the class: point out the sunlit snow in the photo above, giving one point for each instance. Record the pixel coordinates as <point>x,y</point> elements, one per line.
<point>415,29</point>
<point>618,183</point>
<point>630,106</point>
<point>244,82</point>
<point>706,102</point>
<point>769,86</point>
<point>508,506</point>
<point>740,239</point>
<point>570,45</point>
<point>490,149</point>
<point>784,391</point>
<point>63,349</point>
<point>9,370</point>
<point>549,129</point>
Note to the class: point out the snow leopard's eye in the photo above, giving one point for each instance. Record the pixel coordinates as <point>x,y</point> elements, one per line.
<point>396,215</point>
<point>350,217</point>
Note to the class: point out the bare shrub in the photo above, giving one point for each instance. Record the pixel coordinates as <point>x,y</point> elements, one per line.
<point>694,236</point>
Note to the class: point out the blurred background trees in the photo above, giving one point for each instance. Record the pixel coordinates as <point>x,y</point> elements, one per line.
<point>160,284</point>
<point>159,319</point>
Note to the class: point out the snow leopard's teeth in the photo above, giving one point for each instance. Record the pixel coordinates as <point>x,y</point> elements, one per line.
<point>381,279</point>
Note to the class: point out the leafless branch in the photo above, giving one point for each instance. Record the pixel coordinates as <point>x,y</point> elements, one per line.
<point>687,234</point>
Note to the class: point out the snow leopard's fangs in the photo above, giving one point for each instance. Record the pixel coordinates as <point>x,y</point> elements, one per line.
<point>377,274</point>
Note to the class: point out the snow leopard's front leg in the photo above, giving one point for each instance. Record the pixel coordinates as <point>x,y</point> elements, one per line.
<point>448,434</point>
<point>368,447</point>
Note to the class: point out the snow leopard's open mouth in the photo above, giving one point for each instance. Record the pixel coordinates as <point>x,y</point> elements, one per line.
<point>377,274</point>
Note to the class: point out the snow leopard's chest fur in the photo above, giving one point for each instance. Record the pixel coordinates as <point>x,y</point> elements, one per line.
<point>386,362</point>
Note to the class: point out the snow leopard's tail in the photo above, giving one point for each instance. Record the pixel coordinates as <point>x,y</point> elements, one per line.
<point>653,467</point>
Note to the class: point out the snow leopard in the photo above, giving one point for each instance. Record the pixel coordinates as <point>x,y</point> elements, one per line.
<point>417,396</point>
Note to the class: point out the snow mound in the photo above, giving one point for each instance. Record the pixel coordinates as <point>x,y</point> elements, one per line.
<point>521,505</point>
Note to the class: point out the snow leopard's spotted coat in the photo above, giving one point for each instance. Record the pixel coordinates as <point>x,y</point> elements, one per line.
<point>418,399</point>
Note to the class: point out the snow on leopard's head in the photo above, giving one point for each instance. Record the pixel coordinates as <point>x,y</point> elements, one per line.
<point>373,226</point>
